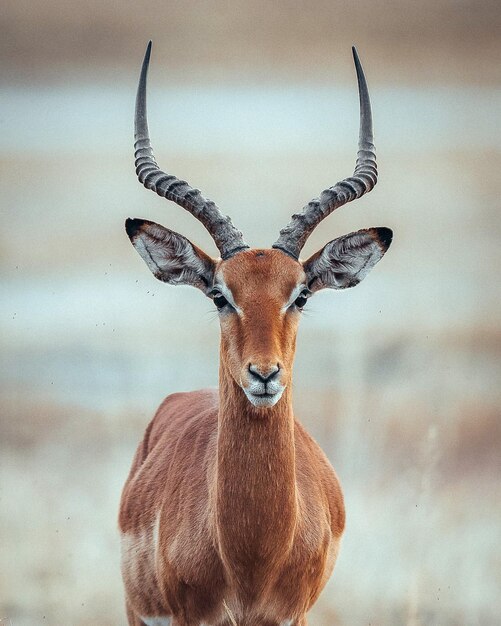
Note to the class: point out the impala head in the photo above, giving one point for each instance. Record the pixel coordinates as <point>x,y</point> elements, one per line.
<point>259,294</point>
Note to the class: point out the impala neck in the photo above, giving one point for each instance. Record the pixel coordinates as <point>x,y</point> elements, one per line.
<point>255,499</point>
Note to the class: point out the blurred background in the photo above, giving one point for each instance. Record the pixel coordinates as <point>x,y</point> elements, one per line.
<point>256,103</point>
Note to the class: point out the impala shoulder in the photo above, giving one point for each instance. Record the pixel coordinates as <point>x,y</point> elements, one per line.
<point>194,401</point>
<point>315,471</point>
<point>179,409</point>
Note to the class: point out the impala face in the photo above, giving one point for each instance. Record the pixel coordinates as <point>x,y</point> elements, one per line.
<point>260,295</point>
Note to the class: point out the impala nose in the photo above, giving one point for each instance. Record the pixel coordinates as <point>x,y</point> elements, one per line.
<point>264,375</point>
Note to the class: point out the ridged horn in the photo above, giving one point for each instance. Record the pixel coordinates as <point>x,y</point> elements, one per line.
<point>294,235</point>
<point>227,238</point>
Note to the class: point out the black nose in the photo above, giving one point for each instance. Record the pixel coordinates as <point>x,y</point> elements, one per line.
<point>264,376</point>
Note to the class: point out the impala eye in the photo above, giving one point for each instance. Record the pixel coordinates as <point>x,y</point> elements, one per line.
<point>220,301</point>
<point>301,300</point>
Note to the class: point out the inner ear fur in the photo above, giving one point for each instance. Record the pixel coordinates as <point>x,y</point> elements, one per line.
<point>345,261</point>
<point>170,256</point>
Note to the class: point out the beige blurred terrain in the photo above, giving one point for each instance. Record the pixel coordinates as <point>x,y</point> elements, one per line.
<point>398,379</point>
<point>432,41</point>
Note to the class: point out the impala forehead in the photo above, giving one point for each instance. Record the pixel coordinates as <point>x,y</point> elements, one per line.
<point>253,272</point>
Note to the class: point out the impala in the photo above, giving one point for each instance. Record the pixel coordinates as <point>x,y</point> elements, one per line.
<point>231,513</point>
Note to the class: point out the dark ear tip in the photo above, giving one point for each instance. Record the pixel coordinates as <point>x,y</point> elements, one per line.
<point>132,226</point>
<point>385,236</point>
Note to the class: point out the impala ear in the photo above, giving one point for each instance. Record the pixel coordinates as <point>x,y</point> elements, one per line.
<point>171,257</point>
<point>345,261</point>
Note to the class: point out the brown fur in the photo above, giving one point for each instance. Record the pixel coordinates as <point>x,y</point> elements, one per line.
<point>229,507</point>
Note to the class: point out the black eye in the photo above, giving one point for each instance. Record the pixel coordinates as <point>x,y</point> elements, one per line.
<point>300,301</point>
<point>220,301</point>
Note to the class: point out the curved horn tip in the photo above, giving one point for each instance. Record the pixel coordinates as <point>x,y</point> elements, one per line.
<point>147,55</point>
<point>140,121</point>
<point>358,63</point>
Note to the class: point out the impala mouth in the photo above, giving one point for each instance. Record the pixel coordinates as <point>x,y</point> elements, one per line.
<point>263,399</point>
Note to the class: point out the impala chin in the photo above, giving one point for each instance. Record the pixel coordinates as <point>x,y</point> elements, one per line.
<point>264,400</point>
<point>262,396</point>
